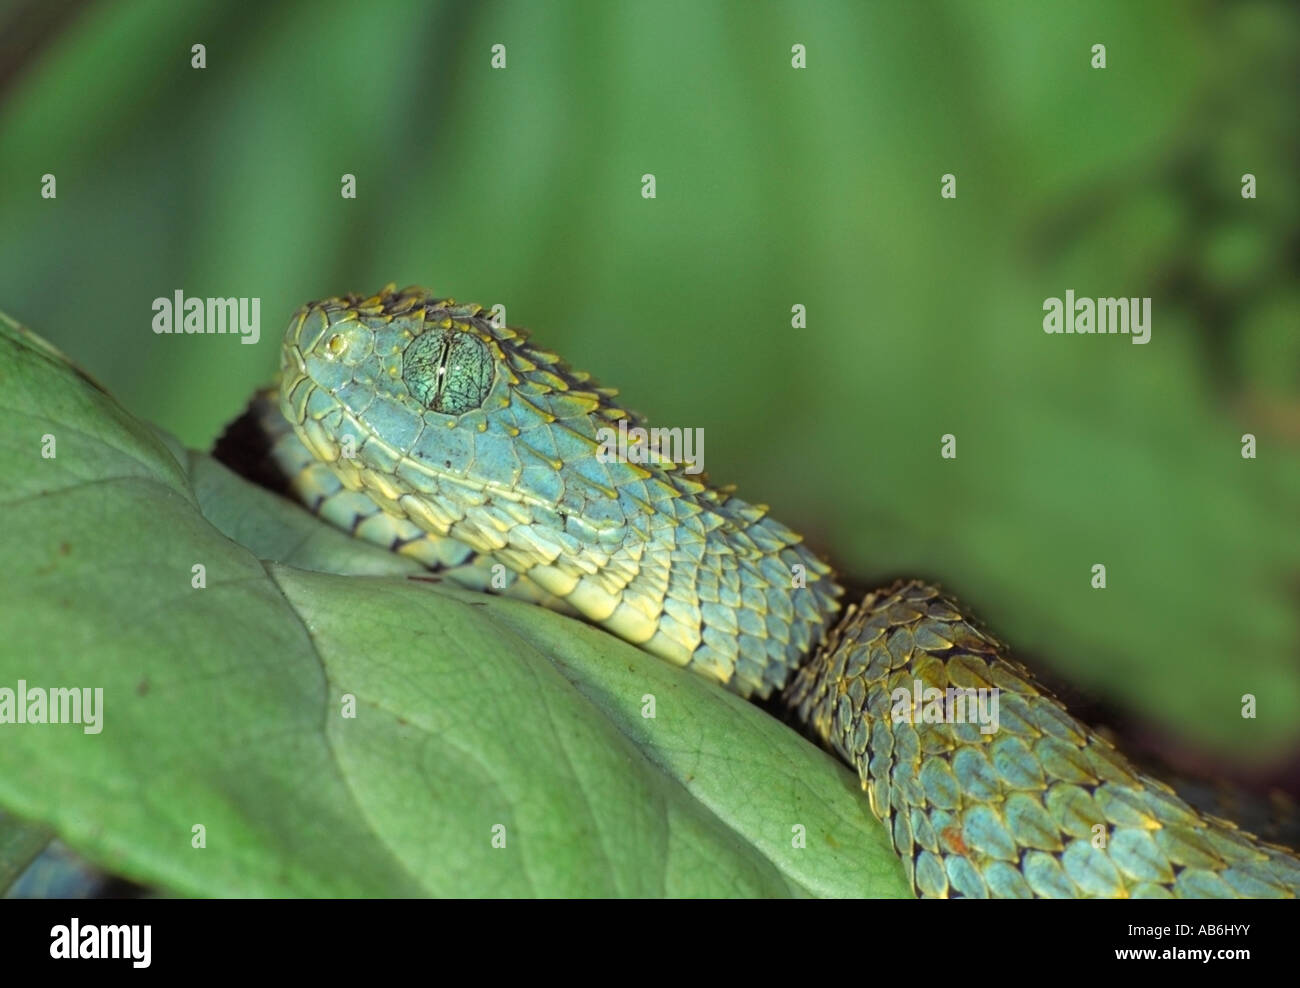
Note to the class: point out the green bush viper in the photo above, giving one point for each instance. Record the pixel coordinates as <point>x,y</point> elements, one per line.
<point>420,424</point>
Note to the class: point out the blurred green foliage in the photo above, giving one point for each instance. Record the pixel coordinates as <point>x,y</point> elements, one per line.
<point>775,186</point>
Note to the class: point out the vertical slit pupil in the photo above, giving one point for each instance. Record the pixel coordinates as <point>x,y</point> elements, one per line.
<point>448,371</point>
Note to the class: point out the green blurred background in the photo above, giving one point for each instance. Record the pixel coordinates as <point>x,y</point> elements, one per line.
<point>775,186</point>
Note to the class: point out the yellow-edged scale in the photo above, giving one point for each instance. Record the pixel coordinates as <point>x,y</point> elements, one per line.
<point>417,423</point>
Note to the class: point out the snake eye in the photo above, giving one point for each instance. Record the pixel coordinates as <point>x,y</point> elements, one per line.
<point>336,344</point>
<point>448,371</point>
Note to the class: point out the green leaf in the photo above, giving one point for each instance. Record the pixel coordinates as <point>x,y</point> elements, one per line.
<point>20,843</point>
<point>475,716</point>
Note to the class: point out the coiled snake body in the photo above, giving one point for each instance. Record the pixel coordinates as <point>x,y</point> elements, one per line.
<point>419,424</point>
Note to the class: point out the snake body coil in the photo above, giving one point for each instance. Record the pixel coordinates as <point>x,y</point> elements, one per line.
<point>417,423</point>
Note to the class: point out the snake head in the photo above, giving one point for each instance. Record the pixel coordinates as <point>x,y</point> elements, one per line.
<point>403,393</point>
<point>405,348</point>
<point>462,427</point>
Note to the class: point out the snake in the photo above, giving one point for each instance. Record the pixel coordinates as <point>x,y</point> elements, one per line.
<point>428,427</point>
